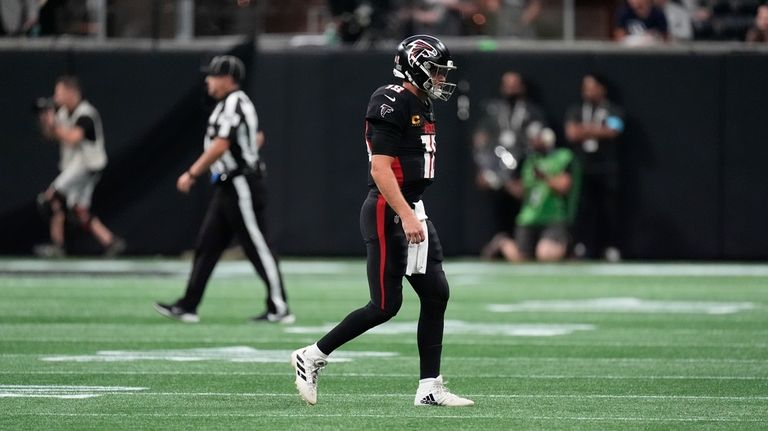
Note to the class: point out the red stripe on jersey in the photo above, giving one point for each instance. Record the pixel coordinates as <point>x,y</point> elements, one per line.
<point>397,168</point>
<point>381,206</point>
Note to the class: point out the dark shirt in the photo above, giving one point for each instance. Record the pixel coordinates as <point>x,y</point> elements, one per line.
<point>400,125</point>
<point>630,22</point>
<point>597,157</point>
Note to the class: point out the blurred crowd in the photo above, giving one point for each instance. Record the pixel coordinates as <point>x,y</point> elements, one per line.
<point>641,22</point>
<point>635,22</point>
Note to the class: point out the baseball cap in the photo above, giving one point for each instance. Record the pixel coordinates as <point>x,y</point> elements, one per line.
<point>226,65</point>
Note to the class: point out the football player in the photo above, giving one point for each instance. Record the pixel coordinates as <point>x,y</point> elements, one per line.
<point>400,134</point>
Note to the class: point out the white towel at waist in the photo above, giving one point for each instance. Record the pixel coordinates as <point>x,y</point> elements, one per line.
<point>417,253</point>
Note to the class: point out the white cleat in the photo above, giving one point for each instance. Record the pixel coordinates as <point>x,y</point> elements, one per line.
<point>284,318</point>
<point>306,374</point>
<point>175,312</point>
<point>439,395</point>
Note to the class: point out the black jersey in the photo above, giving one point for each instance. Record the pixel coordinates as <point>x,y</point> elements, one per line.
<point>234,118</point>
<point>400,125</point>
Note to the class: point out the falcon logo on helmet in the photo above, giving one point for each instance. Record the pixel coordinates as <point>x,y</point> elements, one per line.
<point>418,49</point>
<point>424,61</point>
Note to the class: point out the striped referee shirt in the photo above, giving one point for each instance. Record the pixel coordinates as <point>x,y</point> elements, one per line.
<point>235,119</point>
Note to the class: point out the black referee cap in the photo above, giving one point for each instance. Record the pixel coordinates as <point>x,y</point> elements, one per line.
<point>226,65</point>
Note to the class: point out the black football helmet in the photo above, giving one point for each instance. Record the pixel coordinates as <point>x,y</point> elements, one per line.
<point>424,61</point>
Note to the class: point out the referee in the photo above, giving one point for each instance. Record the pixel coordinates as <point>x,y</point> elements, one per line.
<point>231,152</point>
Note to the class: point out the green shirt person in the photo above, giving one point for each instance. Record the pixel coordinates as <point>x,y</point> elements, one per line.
<point>543,179</point>
<point>548,186</point>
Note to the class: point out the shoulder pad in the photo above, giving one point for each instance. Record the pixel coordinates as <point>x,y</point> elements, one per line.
<point>388,103</point>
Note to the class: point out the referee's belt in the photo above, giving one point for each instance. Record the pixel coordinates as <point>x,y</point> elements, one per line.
<point>223,177</point>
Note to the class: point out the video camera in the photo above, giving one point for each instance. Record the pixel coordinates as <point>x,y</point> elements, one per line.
<point>43,104</point>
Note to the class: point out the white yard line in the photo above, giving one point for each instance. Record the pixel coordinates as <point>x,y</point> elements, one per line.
<point>409,394</point>
<point>180,268</point>
<point>527,341</point>
<point>383,375</point>
<point>468,416</point>
<point>119,391</point>
<point>492,360</point>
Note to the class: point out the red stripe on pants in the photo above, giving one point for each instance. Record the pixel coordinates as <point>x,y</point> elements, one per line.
<point>381,206</point>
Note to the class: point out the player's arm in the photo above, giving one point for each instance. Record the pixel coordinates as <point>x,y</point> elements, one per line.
<point>214,152</point>
<point>385,135</point>
<point>384,177</point>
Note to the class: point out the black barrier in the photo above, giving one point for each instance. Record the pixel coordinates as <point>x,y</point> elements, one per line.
<point>691,155</point>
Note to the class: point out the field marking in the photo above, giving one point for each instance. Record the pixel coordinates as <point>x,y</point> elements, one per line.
<point>459,343</point>
<point>623,305</point>
<point>308,413</point>
<point>63,391</point>
<point>453,268</point>
<point>460,327</point>
<point>409,394</point>
<point>242,268</point>
<point>569,359</point>
<point>526,341</point>
<point>385,375</point>
<point>229,354</point>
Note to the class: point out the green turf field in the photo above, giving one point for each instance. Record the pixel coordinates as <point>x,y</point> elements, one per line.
<point>599,347</point>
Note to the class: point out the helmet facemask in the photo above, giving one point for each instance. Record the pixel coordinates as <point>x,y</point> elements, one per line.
<point>437,85</point>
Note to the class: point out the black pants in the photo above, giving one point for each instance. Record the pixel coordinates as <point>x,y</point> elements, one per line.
<point>387,250</point>
<point>505,210</point>
<point>236,210</point>
<point>597,221</point>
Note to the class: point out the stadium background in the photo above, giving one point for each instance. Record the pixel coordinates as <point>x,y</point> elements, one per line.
<point>578,345</point>
<point>692,156</point>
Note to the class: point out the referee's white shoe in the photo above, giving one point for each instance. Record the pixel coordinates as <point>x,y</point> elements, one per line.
<point>175,312</point>
<point>286,318</point>
<point>306,369</point>
<point>432,392</point>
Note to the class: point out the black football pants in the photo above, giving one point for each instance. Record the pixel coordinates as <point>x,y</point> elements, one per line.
<point>387,250</point>
<point>236,210</point>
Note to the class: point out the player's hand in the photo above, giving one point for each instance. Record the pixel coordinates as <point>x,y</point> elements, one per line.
<point>185,182</point>
<point>414,231</point>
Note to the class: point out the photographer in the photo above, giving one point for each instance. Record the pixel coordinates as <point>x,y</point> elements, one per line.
<point>76,126</point>
<point>548,187</point>
<point>500,143</point>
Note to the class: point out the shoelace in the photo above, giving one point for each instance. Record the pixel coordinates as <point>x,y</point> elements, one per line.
<point>441,390</point>
<point>317,365</point>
